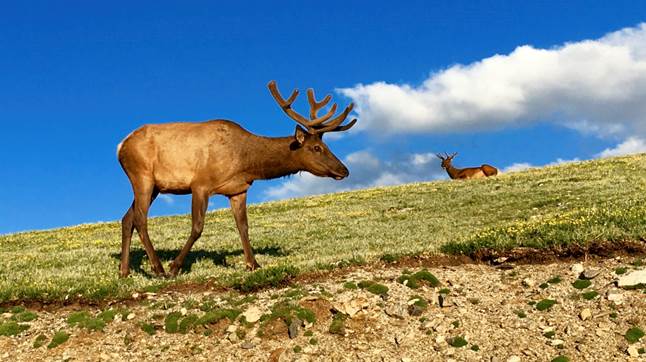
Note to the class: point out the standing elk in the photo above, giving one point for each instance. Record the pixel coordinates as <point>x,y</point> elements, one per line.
<point>220,157</point>
<point>463,173</point>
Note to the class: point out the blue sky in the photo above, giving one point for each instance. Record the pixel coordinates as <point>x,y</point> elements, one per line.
<point>78,76</point>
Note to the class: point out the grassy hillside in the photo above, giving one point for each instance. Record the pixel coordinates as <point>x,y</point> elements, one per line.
<point>602,200</point>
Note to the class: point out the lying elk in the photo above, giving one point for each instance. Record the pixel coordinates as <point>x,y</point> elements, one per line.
<point>462,173</point>
<point>220,157</point>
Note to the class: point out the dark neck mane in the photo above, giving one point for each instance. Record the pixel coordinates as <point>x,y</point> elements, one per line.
<point>274,158</point>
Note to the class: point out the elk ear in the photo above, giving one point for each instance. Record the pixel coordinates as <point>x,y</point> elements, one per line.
<point>299,135</point>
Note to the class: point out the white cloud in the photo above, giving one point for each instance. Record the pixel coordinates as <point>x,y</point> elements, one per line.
<point>366,170</point>
<point>167,199</point>
<point>596,86</point>
<point>629,146</point>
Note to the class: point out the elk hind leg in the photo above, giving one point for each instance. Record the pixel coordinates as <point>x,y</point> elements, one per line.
<point>143,198</point>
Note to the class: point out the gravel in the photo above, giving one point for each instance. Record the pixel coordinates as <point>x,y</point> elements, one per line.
<point>483,307</point>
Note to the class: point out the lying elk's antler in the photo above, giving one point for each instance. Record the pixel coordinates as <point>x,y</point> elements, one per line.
<point>315,124</point>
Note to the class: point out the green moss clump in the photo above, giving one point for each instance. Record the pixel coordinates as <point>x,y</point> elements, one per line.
<point>561,358</point>
<point>11,328</point>
<point>26,316</point>
<point>634,334</point>
<point>40,341</point>
<point>59,338</point>
<point>171,322</point>
<point>457,342</point>
<point>581,284</point>
<point>590,295</point>
<point>545,304</point>
<point>148,328</point>
<point>338,324</point>
<point>350,285</point>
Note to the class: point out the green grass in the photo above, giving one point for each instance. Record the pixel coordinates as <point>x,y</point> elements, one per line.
<point>59,338</point>
<point>549,207</point>
<point>545,304</point>
<point>634,334</point>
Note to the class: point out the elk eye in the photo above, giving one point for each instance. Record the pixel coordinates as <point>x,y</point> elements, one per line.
<point>317,148</point>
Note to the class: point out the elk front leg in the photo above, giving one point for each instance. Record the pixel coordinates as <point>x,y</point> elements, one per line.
<point>143,198</point>
<point>199,204</point>
<point>239,209</point>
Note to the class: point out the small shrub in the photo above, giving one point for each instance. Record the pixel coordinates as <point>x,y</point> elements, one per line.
<point>561,358</point>
<point>475,348</point>
<point>545,304</point>
<point>108,315</point>
<point>17,309</point>
<point>11,328</point>
<point>40,341</point>
<point>621,270</point>
<point>390,258</point>
<point>373,287</point>
<point>457,342</point>
<point>170,323</point>
<point>520,313</point>
<point>581,283</point>
<point>634,334</point>
<point>266,277</point>
<point>313,341</point>
<point>148,329</point>
<point>59,338</point>
<point>549,334</point>
<point>26,316</point>
<point>338,324</point>
<point>409,281</point>
<point>298,349</point>
<point>350,285</point>
<point>544,286</point>
<point>308,333</point>
<point>590,295</point>
<point>187,323</point>
<point>555,280</point>
<point>428,277</point>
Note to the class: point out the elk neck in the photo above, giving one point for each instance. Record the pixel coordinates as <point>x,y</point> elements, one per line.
<point>452,171</point>
<point>273,158</point>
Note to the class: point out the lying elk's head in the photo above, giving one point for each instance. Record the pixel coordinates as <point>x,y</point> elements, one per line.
<point>308,144</point>
<point>446,159</point>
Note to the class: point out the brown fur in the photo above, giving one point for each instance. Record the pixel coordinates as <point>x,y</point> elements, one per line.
<point>465,173</point>
<point>218,157</point>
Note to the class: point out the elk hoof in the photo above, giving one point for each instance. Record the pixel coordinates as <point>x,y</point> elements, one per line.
<point>174,269</point>
<point>124,273</point>
<point>253,266</point>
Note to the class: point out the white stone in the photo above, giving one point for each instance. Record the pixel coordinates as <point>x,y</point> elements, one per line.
<point>130,316</point>
<point>585,314</point>
<point>183,311</point>
<point>557,342</point>
<point>632,279</point>
<point>440,339</point>
<point>577,269</point>
<point>232,328</point>
<point>633,351</point>
<point>253,314</point>
<point>528,282</point>
<point>513,359</point>
<point>616,297</point>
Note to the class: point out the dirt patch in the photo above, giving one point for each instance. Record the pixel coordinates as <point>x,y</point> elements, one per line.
<point>321,309</point>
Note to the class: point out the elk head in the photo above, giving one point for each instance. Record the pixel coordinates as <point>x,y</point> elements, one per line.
<point>308,145</point>
<point>446,159</point>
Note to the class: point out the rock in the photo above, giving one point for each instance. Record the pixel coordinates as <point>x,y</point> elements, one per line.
<point>577,269</point>
<point>232,328</point>
<point>633,279</point>
<point>135,295</point>
<point>232,337</point>
<point>590,273</point>
<point>513,359</point>
<point>294,328</point>
<point>350,306</point>
<point>130,316</point>
<point>252,315</point>
<point>247,345</point>
<point>7,315</point>
<point>415,310</point>
<point>500,260</point>
<point>406,359</point>
<point>615,296</point>
<point>440,339</point>
<point>183,311</point>
<point>528,282</point>
<point>444,301</point>
<point>396,311</point>
<point>585,314</point>
<point>632,351</point>
<point>557,342</point>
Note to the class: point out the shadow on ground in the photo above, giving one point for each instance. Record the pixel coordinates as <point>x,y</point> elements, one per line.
<point>217,257</point>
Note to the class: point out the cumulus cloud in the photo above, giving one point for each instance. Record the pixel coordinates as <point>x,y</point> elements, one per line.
<point>167,199</point>
<point>629,146</point>
<point>366,170</point>
<point>596,86</point>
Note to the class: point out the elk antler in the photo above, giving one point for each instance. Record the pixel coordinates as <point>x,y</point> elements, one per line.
<point>315,125</point>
